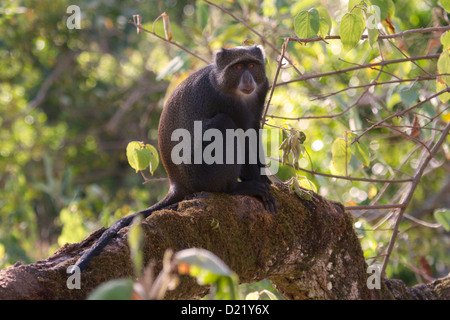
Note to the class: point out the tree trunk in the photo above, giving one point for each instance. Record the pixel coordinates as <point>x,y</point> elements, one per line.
<point>309,250</point>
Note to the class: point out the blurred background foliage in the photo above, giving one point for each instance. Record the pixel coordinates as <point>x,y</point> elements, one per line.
<point>71,100</point>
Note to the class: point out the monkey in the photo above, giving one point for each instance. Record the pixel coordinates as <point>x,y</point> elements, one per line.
<point>227,94</point>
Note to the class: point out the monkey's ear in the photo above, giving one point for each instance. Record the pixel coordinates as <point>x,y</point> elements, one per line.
<point>261,48</point>
<point>219,57</point>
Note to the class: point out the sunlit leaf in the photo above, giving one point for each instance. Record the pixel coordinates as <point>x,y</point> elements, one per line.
<point>304,182</point>
<point>154,159</point>
<point>341,156</point>
<point>325,22</point>
<point>323,13</point>
<point>383,5</point>
<point>444,66</point>
<point>372,192</point>
<point>373,35</point>
<point>324,27</point>
<point>306,24</point>
<point>445,4</point>
<point>294,185</point>
<point>361,153</point>
<point>445,40</point>
<point>351,30</point>
<point>140,156</point>
<point>440,86</point>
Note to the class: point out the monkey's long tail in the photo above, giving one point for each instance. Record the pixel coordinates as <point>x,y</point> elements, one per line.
<point>95,249</point>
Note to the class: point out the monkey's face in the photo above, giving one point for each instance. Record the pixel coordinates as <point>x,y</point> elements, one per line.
<point>240,70</point>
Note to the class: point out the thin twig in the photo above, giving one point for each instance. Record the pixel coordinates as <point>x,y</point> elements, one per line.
<point>380,37</point>
<point>409,137</point>
<point>421,222</point>
<point>399,114</point>
<point>386,185</point>
<point>375,83</point>
<point>252,30</point>
<point>369,65</point>
<point>376,206</point>
<point>169,41</point>
<point>346,178</point>
<point>280,63</point>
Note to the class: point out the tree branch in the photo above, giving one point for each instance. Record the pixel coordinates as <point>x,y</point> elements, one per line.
<point>309,250</point>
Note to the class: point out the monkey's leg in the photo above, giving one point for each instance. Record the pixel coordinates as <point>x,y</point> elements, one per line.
<point>253,181</point>
<point>224,177</point>
<point>171,198</point>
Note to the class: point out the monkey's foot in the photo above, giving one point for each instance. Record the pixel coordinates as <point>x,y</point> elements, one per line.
<point>260,190</point>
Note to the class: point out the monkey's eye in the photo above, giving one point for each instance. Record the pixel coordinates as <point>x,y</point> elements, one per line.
<point>239,66</point>
<point>251,65</point>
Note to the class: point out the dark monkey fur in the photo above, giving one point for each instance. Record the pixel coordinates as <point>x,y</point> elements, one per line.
<point>227,94</point>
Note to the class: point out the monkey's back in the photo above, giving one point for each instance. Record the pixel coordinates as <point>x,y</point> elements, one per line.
<point>190,101</point>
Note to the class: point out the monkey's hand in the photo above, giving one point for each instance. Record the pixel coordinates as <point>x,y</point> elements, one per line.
<point>257,189</point>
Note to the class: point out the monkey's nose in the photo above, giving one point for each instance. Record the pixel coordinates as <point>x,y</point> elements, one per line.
<point>247,90</point>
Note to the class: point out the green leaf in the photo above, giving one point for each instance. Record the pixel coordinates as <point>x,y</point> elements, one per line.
<point>409,95</point>
<point>373,35</point>
<point>361,153</point>
<point>143,157</point>
<point>439,87</point>
<point>443,217</point>
<point>391,8</point>
<point>202,14</point>
<point>140,156</point>
<point>294,184</point>
<point>132,155</point>
<point>324,27</point>
<point>154,160</point>
<point>323,14</point>
<point>340,156</point>
<point>445,40</point>
<point>306,23</point>
<point>304,182</point>
<point>445,4</point>
<point>119,289</point>
<point>392,100</point>
<point>383,5</point>
<point>351,29</point>
<point>353,3</point>
<point>444,65</point>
